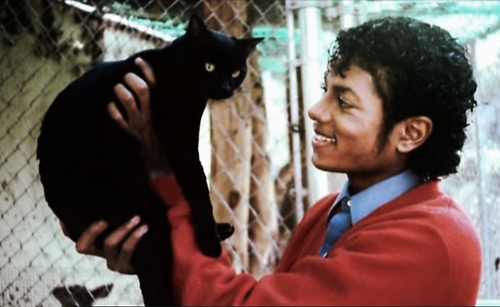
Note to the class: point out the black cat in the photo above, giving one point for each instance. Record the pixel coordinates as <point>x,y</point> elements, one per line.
<point>91,169</point>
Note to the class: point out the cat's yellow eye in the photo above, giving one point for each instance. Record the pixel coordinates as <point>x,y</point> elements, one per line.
<point>209,67</point>
<point>236,74</point>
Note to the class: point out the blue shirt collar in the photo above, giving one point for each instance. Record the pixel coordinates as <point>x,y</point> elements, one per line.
<point>373,197</point>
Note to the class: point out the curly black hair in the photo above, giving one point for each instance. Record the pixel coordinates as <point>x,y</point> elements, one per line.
<point>418,70</point>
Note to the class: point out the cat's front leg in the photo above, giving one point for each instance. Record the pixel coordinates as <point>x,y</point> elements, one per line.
<point>192,181</point>
<point>224,230</point>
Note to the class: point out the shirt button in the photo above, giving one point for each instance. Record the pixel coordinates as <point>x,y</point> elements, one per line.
<point>349,203</point>
<point>325,255</point>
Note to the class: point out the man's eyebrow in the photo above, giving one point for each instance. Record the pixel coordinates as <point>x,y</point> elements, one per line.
<point>344,89</point>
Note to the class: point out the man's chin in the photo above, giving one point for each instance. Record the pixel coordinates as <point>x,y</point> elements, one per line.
<point>324,166</point>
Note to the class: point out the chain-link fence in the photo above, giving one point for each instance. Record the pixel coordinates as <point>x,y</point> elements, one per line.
<point>246,142</point>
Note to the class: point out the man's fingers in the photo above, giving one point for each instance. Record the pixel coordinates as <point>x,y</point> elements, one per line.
<point>146,70</point>
<point>117,116</point>
<point>112,244</point>
<point>141,89</point>
<point>126,98</point>
<point>85,244</point>
<point>124,263</point>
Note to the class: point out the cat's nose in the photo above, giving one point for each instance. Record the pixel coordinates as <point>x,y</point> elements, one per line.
<point>225,90</point>
<point>226,87</point>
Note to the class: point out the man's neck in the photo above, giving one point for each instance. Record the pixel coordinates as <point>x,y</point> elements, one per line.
<point>366,201</point>
<point>359,182</point>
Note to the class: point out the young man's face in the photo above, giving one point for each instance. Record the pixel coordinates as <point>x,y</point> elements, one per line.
<point>348,119</point>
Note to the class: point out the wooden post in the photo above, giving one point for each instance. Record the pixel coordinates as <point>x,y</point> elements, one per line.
<point>263,225</point>
<point>242,186</point>
<point>231,137</point>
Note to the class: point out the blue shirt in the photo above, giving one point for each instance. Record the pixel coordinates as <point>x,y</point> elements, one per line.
<point>364,203</point>
<point>368,200</point>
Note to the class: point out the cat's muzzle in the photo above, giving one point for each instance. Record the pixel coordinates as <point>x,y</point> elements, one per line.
<point>222,94</point>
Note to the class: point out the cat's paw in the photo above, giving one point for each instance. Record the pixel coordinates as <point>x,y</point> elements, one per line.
<point>224,230</point>
<point>209,243</point>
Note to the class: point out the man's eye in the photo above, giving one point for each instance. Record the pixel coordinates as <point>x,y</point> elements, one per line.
<point>342,102</point>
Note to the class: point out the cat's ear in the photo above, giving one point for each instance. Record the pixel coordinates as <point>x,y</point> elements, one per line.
<point>249,43</point>
<point>196,26</point>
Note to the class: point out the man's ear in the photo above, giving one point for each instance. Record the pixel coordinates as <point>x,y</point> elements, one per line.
<point>413,132</point>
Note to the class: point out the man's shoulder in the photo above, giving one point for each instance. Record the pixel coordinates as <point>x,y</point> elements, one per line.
<point>431,218</point>
<point>428,204</point>
<point>454,226</point>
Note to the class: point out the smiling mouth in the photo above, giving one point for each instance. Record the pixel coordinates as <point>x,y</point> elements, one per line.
<point>320,138</point>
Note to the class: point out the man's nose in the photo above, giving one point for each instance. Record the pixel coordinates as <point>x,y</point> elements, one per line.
<point>314,110</point>
<point>318,112</point>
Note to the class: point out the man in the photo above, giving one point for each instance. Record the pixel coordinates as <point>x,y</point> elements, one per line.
<point>397,93</point>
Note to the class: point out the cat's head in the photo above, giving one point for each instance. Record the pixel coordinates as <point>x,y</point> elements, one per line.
<point>219,61</point>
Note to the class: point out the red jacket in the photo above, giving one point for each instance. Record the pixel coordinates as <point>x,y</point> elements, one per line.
<point>419,249</point>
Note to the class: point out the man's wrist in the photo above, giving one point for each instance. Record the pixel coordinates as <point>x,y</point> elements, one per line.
<point>168,188</point>
<point>159,173</point>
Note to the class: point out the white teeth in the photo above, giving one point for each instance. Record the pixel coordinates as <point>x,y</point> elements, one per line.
<point>324,139</point>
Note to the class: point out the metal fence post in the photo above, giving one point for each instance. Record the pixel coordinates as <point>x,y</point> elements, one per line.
<point>294,110</point>
<point>313,66</point>
<point>481,189</point>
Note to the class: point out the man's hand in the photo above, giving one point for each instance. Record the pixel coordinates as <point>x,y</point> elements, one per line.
<point>118,246</point>
<point>139,119</point>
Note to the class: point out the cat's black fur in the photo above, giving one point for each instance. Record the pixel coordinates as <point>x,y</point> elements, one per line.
<point>91,169</point>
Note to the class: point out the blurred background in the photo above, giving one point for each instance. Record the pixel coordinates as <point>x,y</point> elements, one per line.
<point>253,146</point>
